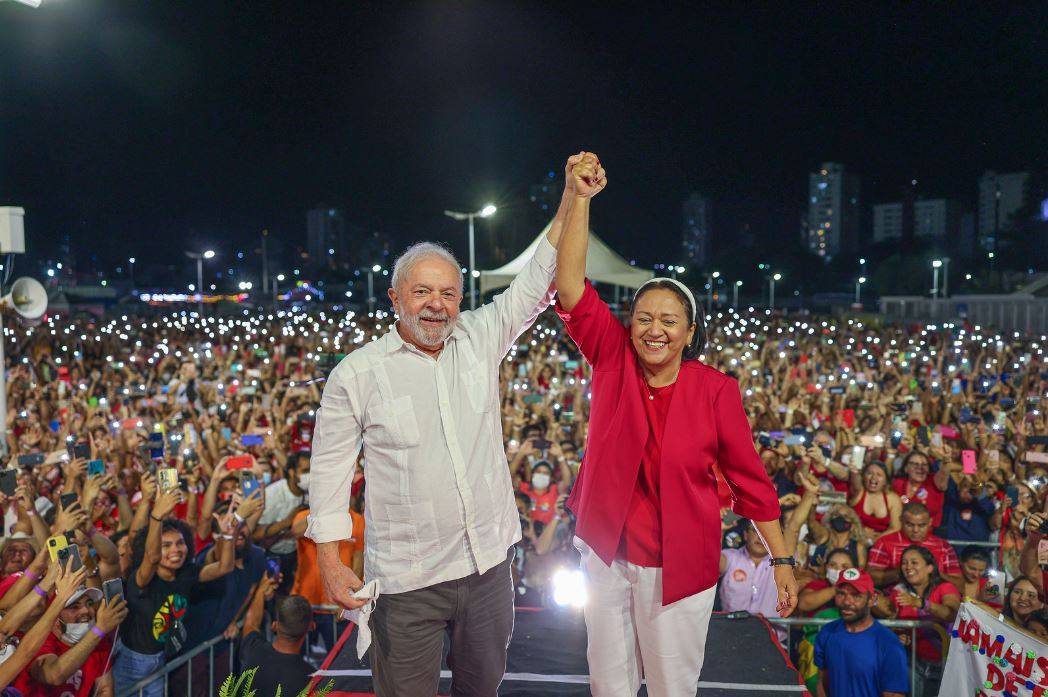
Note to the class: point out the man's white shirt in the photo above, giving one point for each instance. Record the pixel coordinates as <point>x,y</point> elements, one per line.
<point>439,501</point>
<point>280,502</point>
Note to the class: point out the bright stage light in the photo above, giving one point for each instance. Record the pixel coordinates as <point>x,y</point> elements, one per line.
<point>569,588</point>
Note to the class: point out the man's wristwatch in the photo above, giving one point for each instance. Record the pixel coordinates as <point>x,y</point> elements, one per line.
<point>783,561</point>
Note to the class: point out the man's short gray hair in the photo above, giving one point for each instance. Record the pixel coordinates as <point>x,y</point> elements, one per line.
<point>416,253</point>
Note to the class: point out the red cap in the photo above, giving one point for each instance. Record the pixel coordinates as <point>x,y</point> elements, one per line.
<point>857,579</point>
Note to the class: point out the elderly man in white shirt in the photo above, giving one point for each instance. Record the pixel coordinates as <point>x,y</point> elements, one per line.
<point>423,402</point>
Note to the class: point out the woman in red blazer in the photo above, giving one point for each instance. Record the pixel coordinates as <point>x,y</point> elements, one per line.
<point>648,520</point>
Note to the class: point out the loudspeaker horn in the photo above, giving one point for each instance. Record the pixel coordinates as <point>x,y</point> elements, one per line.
<point>27,298</point>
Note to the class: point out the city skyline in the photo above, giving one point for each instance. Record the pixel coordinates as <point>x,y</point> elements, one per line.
<point>203,128</point>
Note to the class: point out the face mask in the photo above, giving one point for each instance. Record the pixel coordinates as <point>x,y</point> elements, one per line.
<point>840,524</point>
<point>266,476</point>
<point>832,575</point>
<point>75,631</point>
<point>539,480</point>
<point>303,480</point>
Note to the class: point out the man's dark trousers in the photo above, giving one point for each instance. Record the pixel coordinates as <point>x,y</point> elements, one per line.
<point>408,636</point>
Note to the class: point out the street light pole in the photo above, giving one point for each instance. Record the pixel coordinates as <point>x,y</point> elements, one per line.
<point>946,277</point>
<point>735,295</point>
<point>935,277</point>
<point>472,267</point>
<point>131,260</point>
<point>996,221</point>
<point>371,287</point>
<point>771,290</point>
<point>200,284</point>
<point>276,290</point>
<point>484,212</point>
<point>199,257</point>
<point>710,278</point>
<point>858,290</point>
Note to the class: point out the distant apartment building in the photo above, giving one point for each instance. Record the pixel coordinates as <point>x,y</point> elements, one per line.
<point>696,229</point>
<point>326,241</point>
<point>932,218</point>
<point>1000,195</point>
<point>834,211</point>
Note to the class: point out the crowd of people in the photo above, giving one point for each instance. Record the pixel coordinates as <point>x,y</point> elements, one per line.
<point>172,453</point>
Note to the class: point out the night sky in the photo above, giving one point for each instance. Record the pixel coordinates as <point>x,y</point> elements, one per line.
<point>149,127</point>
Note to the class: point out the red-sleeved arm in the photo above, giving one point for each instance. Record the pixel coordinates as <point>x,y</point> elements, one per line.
<point>752,493</point>
<point>591,325</point>
<point>878,557</point>
<point>951,564</point>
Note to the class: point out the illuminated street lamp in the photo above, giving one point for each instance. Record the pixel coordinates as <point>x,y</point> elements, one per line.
<point>276,292</point>
<point>200,256</point>
<point>858,290</point>
<point>371,271</point>
<point>771,290</point>
<point>710,278</point>
<point>485,212</point>
<point>735,294</point>
<point>935,277</point>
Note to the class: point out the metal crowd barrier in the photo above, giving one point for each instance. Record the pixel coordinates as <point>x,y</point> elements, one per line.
<point>333,611</point>
<point>911,625</point>
<point>186,659</point>
<point>994,547</point>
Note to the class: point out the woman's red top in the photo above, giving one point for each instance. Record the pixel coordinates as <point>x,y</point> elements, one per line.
<point>705,424</point>
<point>641,541</point>
<point>868,519</point>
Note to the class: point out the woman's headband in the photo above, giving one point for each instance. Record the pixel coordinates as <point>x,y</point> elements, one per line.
<point>683,288</point>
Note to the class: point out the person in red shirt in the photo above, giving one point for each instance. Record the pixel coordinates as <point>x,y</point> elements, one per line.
<point>975,563</point>
<point>885,558</point>
<point>16,553</point>
<point>542,492</point>
<point>818,594</point>
<point>918,486</point>
<point>923,595</point>
<point>645,498</point>
<point>75,658</point>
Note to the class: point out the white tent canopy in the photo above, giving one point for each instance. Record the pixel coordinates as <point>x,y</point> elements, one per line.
<point>602,265</point>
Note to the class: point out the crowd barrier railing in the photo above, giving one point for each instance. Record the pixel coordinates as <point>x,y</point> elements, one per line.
<point>185,659</point>
<point>332,613</point>
<point>323,613</point>
<point>911,625</point>
<point>994,547</point>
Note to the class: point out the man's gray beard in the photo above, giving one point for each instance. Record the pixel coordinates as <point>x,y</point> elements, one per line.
<point>422,334</point>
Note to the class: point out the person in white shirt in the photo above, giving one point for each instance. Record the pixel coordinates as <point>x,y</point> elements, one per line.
<point>284,499</point>
<point>423,401</point>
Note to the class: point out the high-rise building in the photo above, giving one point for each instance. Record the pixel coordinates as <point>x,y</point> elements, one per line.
<point>545,195</point>
<point>932,218</point>
<point>966,238</point>
<point>326,241</point>
<point>696,227</point>
<point>887,222</point>
<point>1000,195</point>
<point>834,211</point>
